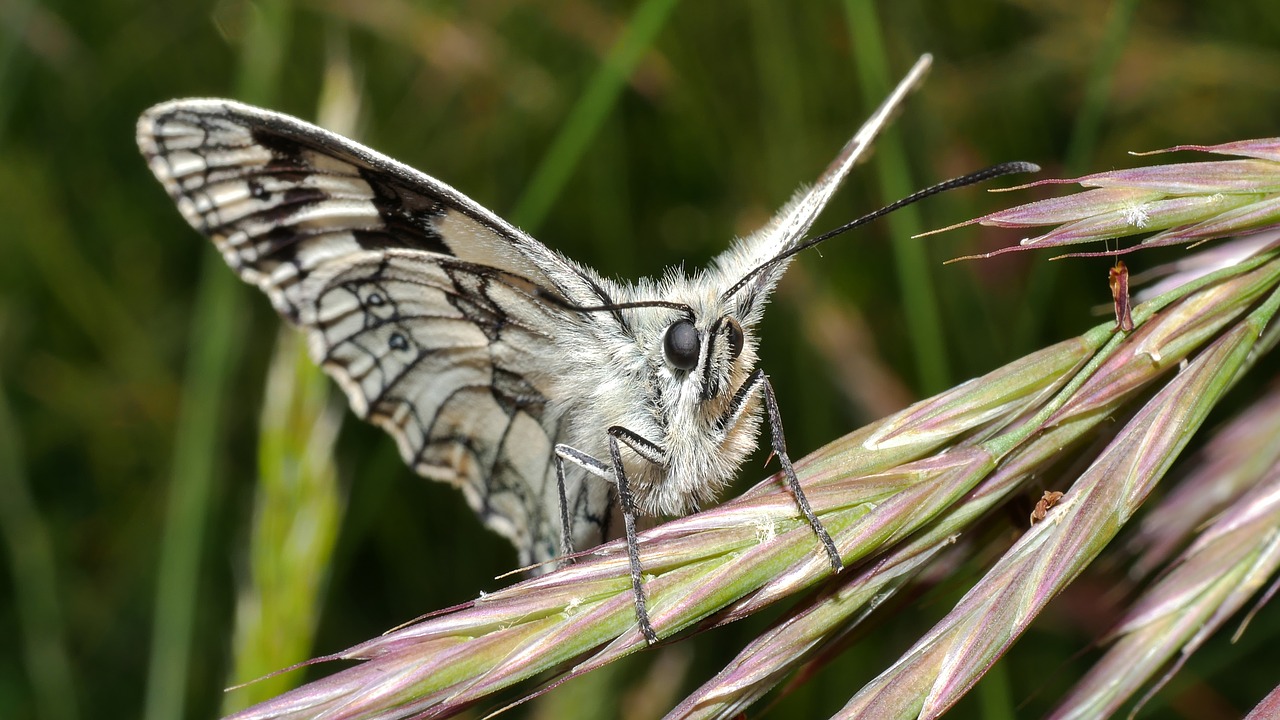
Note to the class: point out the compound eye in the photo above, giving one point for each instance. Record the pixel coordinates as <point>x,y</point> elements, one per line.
<point>681,345</point>
<point>735,338</point>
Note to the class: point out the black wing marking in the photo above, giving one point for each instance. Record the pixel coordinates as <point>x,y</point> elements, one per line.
<point>426,308</point>
<point>260,183</point>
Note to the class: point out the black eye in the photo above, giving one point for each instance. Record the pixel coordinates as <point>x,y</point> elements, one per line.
<point>735,338</point>
<point>681,345</point>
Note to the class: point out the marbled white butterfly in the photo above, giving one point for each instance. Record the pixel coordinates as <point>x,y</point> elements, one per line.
<point>490,358</point>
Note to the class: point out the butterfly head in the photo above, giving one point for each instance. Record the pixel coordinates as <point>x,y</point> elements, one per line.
<point>705,354</point>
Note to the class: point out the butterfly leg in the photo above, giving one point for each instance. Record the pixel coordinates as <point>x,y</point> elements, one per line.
<point>566,526</point>
<point>759,382</point>
<point>591,465</point>
<point>649,451</point>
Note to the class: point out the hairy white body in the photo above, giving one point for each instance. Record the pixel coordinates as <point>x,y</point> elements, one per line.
<point>624,381</point>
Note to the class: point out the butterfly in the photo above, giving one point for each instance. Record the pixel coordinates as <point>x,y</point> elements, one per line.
<point>554,398</point>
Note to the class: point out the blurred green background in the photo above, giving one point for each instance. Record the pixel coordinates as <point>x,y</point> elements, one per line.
<point>132,381</point>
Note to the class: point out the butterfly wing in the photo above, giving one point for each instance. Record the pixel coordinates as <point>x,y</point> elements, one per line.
<point>790,225</point>
<point>433,314</point>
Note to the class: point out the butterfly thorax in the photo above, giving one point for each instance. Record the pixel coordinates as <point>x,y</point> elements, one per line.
<point>623,375</point>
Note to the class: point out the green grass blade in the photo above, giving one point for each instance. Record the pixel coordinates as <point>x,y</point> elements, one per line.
<point>920,302</point>
<point>589,113</point>
<point>213,356</point>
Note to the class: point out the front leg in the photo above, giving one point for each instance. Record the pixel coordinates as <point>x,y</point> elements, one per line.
<point>759,382</point>
<point>651,452</point>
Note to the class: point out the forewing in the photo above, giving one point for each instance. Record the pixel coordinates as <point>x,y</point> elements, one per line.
<point>433,315</point>
<point>280,196</point>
